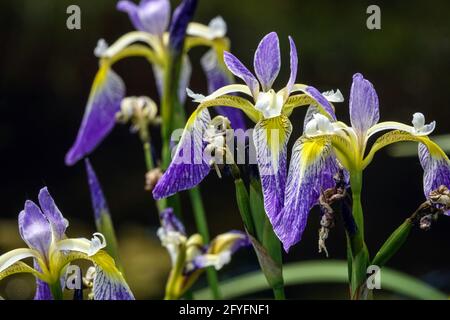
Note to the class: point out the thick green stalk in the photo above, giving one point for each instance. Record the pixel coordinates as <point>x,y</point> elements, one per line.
<point>56,290</point>
<point>359,253</point>
<point>202,227</point>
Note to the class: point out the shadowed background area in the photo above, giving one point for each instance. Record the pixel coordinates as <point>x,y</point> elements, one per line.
<point>46,72</point>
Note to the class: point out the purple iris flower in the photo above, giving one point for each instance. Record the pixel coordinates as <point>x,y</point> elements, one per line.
<point>192,254</point>
<point>327,144</point>
<point>43,229</point>
<point>266,107</point>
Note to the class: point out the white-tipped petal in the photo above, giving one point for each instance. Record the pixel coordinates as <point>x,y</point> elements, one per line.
<point>217,28</point>
<point>98,242</point>
<point>420,128</point>
<point>196,97</point>
<point>101,48</point>
<point>333,96</point>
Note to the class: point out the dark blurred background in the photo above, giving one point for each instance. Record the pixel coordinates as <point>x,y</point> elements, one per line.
<point>45,77</point>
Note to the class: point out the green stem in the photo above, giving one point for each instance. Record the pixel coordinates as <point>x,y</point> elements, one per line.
<point>359,253</point>
<point>160,204</point>
<point>202,227</point>
<point>279,293</point>
<point>56,290</point>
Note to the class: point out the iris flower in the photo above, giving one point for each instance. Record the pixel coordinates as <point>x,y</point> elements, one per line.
<point>326,142</point>
<point>155,43</point>
<point>190,256</point>
<point>268,109</point>
<point>43,230</point>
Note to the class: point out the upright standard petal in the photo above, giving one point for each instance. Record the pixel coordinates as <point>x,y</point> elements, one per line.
<point>436,170</point>
<point>267,62</point>
<point>188,167</point>
<point>97,197</point>
<point>181,17</point>
<point>311,171</point>
<point>364,111</point>
<point>294,65</point>
<point>34,228</point>
<point>218,78</point>
<point>58,223</point>
<point>107,92</point>
<point>151,16</point>
<point>239,70</point>
<point>270,138</point>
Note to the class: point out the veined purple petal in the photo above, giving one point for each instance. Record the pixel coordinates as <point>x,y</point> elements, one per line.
<point>294,64</point>
<point>364,111</point>
<point>58,223</point>
<point>188,167</point>
<point>436,170</point>
<point>151,16</point>
<point>108,287</point>
<point>311,170</point>
<point>97,197</point>
<point>239,70</point>
<point>99,118</point>
<point>170,222</point>
<point>42,288</point>
<point>267,60</point>
<point>34,228</point>
<point>326,105</point>
<point>182,15</point>
<point>217,78</point>
<point>270,138</point>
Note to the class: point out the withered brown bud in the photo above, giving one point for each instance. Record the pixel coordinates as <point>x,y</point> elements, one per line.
<point>151,178</point>
<point>441,196</point>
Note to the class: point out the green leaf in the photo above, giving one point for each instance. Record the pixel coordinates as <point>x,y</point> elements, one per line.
<point>393,243</point>
<point>329,271</point>
<point>243,202</point>
<point>272,270</point>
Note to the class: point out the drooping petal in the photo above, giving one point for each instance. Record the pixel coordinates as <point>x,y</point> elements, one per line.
<point>105,97</point>
<point>109,283</point>
<point>267,60</point>
<point>171,233</point>
<point>58,223</point>
<point>218,78</point>
<point>294,65</point>
<point>436,170</point>
<point>311,171</point>
<point>364,111</point>
<point>221,249</point>
<point>181,17</point>
<point>188,167</point>
<point>239,70</point>
<point>12,257</point>
<point>18,267</point>
<point>151,16</point>
<point>42,288</point>
<point>34,228</point>
<point>270,138</point>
